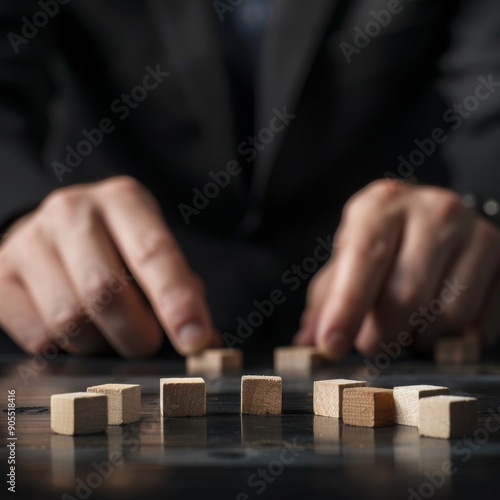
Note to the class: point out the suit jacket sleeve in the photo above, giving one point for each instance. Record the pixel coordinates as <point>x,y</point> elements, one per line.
<point>26,89</point>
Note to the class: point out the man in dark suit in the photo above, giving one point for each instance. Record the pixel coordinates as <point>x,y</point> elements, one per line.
<point>252,128</point>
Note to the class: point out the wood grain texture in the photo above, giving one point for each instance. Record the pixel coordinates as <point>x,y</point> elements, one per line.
<point>447,417</point>
<point>368,407</point>
<point>328,396</point>
<point>457,351</point>
<point>182,397</point>
<point>406,401</point>
<point>77,413</point>
<point>291,360</point>
<point>261,395</point>
<point>215,362</point>
<point>124,402</point>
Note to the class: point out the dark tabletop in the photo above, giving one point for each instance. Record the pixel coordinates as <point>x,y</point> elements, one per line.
<point>226,455</point>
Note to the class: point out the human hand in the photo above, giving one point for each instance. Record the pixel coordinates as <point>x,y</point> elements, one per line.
<point>407,259</point>
<point>64,278</point>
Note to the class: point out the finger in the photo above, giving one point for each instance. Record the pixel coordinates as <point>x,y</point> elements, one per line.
<point>51,293</point>
<point>105,290</point>
<point>488,323</point>
<point>420,267</point>
<point>152,254</point>
<point>19,317</point>
<point>369,239</point>
<point>470,282</point>
<point>315,296</point>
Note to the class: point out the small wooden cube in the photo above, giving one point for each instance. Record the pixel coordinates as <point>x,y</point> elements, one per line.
<point>78,413</point>
<point>297,360</point>
<point>447,417</point>
<point>457,350</point>
<point>368,407</point>
<point>124,402</point>
<point>328,396</point>
<point>215,362</point>
<point>261,395</point>
<point>406,401</point>
<point>182,397</point>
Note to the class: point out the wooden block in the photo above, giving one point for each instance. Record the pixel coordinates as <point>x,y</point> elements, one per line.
<point>78,413</point>
<point>447,417</point>
<point>182,397</point>
<point>124,402</point>
<point>261,395</point>
<point>368,407</point>
<point>457,350</point>
<point>297,360</point>
<point>406,399</point>
<point>328,396</point>
<point>215,362</point>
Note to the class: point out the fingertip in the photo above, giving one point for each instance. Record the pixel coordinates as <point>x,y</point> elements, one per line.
<point>193,338</point>
<point>334,346</point>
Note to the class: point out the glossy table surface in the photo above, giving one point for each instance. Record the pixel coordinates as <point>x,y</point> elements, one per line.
<point>226,455</point>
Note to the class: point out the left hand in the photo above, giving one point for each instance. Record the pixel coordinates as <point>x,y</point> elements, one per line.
<point>407,259</point>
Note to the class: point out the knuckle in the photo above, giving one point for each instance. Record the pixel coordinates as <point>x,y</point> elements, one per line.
<point>459,314</point>
<point>60,318</point>
<point>177,301</point>
<point>94,284</point>
<point>446,207</point>
<point>385,191</point>
<point>63,201</point>
<point>157,243</point>
<point>408,296</point>
<point>123,185</point>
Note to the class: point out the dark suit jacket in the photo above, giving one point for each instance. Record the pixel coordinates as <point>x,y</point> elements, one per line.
<point>361,103</point>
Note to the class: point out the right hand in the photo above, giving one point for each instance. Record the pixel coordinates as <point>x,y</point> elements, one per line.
<point>64,278</point>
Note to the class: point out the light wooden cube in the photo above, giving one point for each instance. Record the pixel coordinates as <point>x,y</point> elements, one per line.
<point>124,402</point>
<point>261,395</point>
<point>457,350</point>
<point>78,413</point>
<point>406,401</point>
<point>182,397</point>
<point>215,362</point>
<point>297,360</point>
<point>447,417</point>
<point>328,396</point>
<point>368,407</point>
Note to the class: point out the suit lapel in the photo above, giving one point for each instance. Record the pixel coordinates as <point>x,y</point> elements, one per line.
<point>294,37</point>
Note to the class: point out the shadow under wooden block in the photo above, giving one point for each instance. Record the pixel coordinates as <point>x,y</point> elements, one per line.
<point>64,453</point>
<point>214,363</point>
<point>457,350</point>
<point>297,361</point>
<point>184,432</point>
<point>261,430</point>
<point>327,433</point>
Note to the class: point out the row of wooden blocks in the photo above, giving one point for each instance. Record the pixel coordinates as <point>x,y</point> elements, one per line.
<point>430,408</point>
<point>118,404</point>
<point>306,360</point>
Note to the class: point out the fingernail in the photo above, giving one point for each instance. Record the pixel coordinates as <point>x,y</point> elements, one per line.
<point>337,345</point>
<point>192,338</point>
